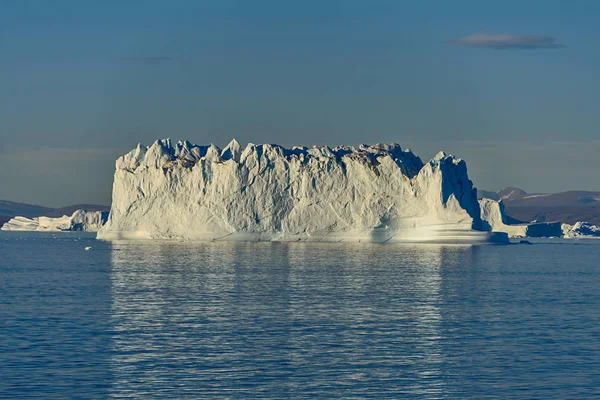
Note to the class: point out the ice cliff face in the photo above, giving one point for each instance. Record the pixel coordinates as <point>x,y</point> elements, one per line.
<point>494,219</point>
<point>378,193</point>
<point>87,221</point>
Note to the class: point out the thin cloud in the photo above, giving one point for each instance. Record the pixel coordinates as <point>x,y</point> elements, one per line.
<point>506,41</point>
<point>147,60</point>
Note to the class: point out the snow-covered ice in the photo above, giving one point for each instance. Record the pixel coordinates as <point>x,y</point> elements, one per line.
<point>379,193</point>
<point>494,219</point>
<point>580,230</point>
<point>87,221</point>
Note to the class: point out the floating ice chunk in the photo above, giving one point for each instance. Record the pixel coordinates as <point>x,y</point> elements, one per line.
<point>494,219</point>
<point>580,229</point>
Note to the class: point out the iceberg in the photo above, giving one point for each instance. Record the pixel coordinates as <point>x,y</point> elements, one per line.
<point>580,230</point>
<point>81,220</point>
<point>380,193</point>
<point>494,219</point>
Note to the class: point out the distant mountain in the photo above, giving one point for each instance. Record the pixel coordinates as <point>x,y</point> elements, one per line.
<point>10,209</point>
<point>25,210</point>
<point>69,210</point>
<point>510,193</point>
<point>567,207</point>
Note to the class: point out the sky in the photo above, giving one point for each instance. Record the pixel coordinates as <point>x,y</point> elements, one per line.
<point>512,86</point>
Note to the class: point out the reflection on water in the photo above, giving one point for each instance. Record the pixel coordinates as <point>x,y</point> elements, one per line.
<point>278,319</point>
<point>296,320</point>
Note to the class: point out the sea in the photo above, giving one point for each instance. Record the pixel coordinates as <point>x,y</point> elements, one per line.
<point>192,320</point>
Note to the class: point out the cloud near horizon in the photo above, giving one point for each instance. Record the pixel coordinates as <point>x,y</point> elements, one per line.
<point>507,41</point>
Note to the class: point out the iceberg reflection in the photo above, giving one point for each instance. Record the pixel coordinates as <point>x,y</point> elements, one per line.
<point>279,319</point>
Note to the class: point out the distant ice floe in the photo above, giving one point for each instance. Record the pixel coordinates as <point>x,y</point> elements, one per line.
<point>580,230</point>
<point>494,219</point>
<point>86,221</point>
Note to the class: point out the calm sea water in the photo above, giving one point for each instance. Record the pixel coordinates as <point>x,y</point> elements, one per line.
<point>263,320</point>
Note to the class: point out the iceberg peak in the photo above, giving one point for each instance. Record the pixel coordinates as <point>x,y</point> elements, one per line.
<point>232,151</point>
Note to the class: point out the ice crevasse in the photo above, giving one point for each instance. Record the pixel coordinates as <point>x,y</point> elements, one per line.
<point>380,193</point>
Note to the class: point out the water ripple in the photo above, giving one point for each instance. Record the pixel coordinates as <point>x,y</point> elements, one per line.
<point>262,320</point>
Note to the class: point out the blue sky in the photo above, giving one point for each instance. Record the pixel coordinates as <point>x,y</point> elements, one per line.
<point>83,82</point>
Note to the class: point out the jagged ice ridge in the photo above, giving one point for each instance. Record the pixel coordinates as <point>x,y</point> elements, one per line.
<point>379,193</point>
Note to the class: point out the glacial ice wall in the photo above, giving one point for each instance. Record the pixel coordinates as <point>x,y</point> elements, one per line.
<point>86,221</point>
<point>379,193</point>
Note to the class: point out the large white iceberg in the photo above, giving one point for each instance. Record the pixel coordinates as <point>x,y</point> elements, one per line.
<point>86,221</point>
<point>378,193</point>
